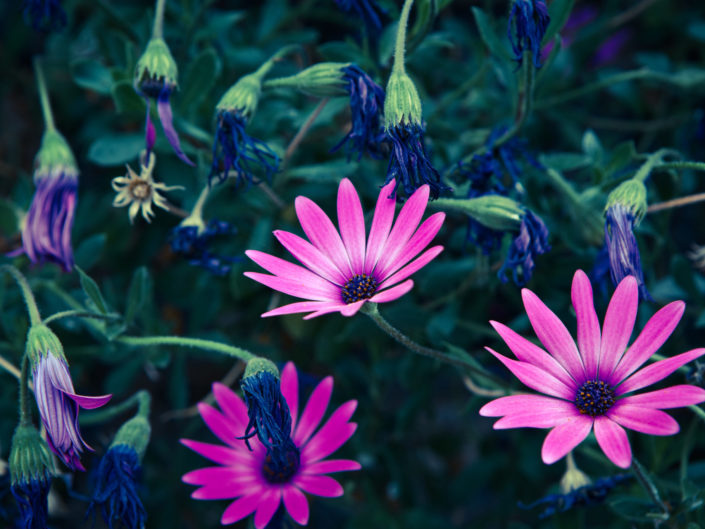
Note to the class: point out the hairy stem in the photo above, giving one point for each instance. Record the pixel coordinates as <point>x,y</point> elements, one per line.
<point>648,485</point>
<point>44,96</point>
<point>30,302</point>
<point>301,134</point>
<point>400,47</point>
<point>196,343</point>
<point>158,28</point>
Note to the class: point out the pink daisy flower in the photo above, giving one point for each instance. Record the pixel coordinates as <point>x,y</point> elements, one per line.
<point>251,476</point>
<point>342,272</point>
<point>591,385</point>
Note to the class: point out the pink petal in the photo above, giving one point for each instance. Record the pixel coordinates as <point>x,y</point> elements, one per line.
<point>332,307</point>
<point>221,426</point>
<point>239,509</point>
<point>286,270</point>
<point>564,437</point>
<point>314,411</point>
<point>304,306</point>
<point>618,325</point>
<point>289,384</point>
<point>322,234</point>
<point>539,419</point>
<point>310,256</point>
<point>232,405</point>
<point>332,435</point>
<point>535,377</point>
<point>534,411</point>
<point>296,505</point>
<point>673,397</point>
<point>218,453</point>
<point>352,224</point>
<point>655,333</point>
<point>553,335</point>
<point>406,223</point>
<point>588,324</point>
<point>351,308</point>
<point>332,465</point>
<point>221,487</point>
<point>423,236</point>
<point>413,267</point>
<point>519,404</point>
<point>215,476</point>
<point>296,288</point>
<point>526,351</point>
<point>319,485</point>
<point>393,293</point>
<point>644,420</point>
<point>381,224</point>
<point>657,371</point>
<point>268,504</point>
<point>88,403</point>
<point>613,440</point>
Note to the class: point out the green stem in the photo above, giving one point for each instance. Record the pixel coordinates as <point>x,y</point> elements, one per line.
<point>399,49</point>
<point>141,398</point>
<point>25,412</point>
<point>676,202</point>
<point>158,28</point>
<point>698,411</point>
<point>648,485</point>
<point>44,96</point>
<point>30,302</point>
<point>263,70</point>
<point>560,183</point>
<point>372,311</point>
<point>695,166</point>
<point>651,162</point>
<point>78,314</point>
<point>301,134</point>
<point>181,341</point>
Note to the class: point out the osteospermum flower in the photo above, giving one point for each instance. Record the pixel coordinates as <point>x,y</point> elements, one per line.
<point>591,385</point>
<point>259,483</point>
<point>342,271</point>
<point>140,191</point>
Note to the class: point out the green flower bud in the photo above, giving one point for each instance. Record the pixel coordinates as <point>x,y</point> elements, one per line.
<point>494,211</point>
<point>324,79</point>
<point>30,459</point>
<point>402,105</point>
<point>632,195</point>
<point>243,96</point>
<point>156,69</point>
<point>54,156</point>
<point>260,365</point>
<point>42,341</point>
<point>134,433</point>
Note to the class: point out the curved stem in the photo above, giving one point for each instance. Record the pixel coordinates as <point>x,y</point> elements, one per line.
<point>301,134</point>
<point>676,202</point>
<point>25,412</point>
<point>399,49</point>
<point>10,367</point>
<point>79,314</point>
<point>196,343</point>
<point>44,96</point>
<point>695,166</point>
<point>30,302</point>
<point>648,485</point>
<point>158,28</point>
<point>372,311</point>
<point>651,162</point>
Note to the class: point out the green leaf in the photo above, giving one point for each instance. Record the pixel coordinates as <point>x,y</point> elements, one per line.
<point>88,253</point>
<point>126,99</point>
<point>200,76</point>
<point>137,293</point>
<point>91,75</point>
<point>489,36</point>
<point>620,156</point>
<point>328,172</point>
<point>559,10</point>
<point>115,150</point>
<point>90,287</point>
<point>592,146</point>
<point>566,161</point>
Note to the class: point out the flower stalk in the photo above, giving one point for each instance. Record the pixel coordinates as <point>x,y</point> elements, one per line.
<point>197,343</point>
<point>44,96</point>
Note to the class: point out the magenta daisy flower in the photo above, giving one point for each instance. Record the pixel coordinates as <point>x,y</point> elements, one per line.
<point>252,477</point>
<point>342,271</point>
<point>591,385</point>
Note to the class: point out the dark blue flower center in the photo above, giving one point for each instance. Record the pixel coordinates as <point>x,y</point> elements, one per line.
<point>361,286</point>
<point>594,398</point>
<point>282,468</point>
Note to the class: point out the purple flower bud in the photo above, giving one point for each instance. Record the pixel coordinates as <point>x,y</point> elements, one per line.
<point>528,22</point>
<point>622,246</point>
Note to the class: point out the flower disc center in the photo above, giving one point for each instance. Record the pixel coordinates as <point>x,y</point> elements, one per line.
<point>361,286</point>
<point>282,466</point>
<point>594,398</point>
<point>140,189</point>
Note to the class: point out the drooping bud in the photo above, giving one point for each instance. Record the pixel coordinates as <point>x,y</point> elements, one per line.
<point>324,79</point>
<point>632,196</point>
<point>156,69</point>
<point>494,211</point>
<point>402,105</point>
<point>54,157</point>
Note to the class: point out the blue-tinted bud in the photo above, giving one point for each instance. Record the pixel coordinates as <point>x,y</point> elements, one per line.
<point>156,70</point>
<point>622,247</point>
<point>631,195</point>
<point>402,105</point>
<point>531,241</point>
<point>528,22</point>
<point>44,15</point>
<point>30,476</point>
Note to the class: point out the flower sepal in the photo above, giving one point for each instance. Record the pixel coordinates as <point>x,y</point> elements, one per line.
<point>632,195</point>
<point>135,434</point>
<point>54,156</point>
<point>156,69</point>
<point>402,105</point>
<point>497,212</point>
<point>30,460</point>
<point>41,341</point>
<point>325,79</point>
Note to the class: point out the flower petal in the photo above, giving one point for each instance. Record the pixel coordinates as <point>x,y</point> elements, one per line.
<point>413,267</point>
<point>588,323</point>
<point>535,377</point>
<point>286,270</point>
<point>618,325</point>
<point>304,306</point>
<point>381,224</point>
<point>221,426</point>
<point>644,420</point>
<point>296,505</point>
<point>240,508</point>
<point>656,331</point>
<point>332,465</point>
<point>613,440</point>
<point>564,437</point>
<point>289,384</point>
<point>332,434</point>
<point>313,412</point>
<point>393,293</point>
<point>351,308</point>
<point>310,256</point>
<point>322,233</point>
<point>527,351</point>
<point>352,224</point>
<point>166,118</point>
<point>673,397</point>
<point>88,403</point>
<point>553,335</point>
<point>295,287</point>
<point>405,225</point>
<point>268,505</point>
<point>534,411</point>
<point>656,371</point>
<point>319,485</point>
<point>423,236</point>
<point>220,454</point>
<point>231,404</point>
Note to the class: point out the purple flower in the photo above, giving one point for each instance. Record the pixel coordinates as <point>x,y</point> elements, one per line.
<point>528,21</point>
<point>58,406</point>
<point>194,243</point>
<point>622,247</point>
<point>531,241</point>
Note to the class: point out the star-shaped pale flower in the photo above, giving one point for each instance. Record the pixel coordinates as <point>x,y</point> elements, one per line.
<point>140,191</point>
